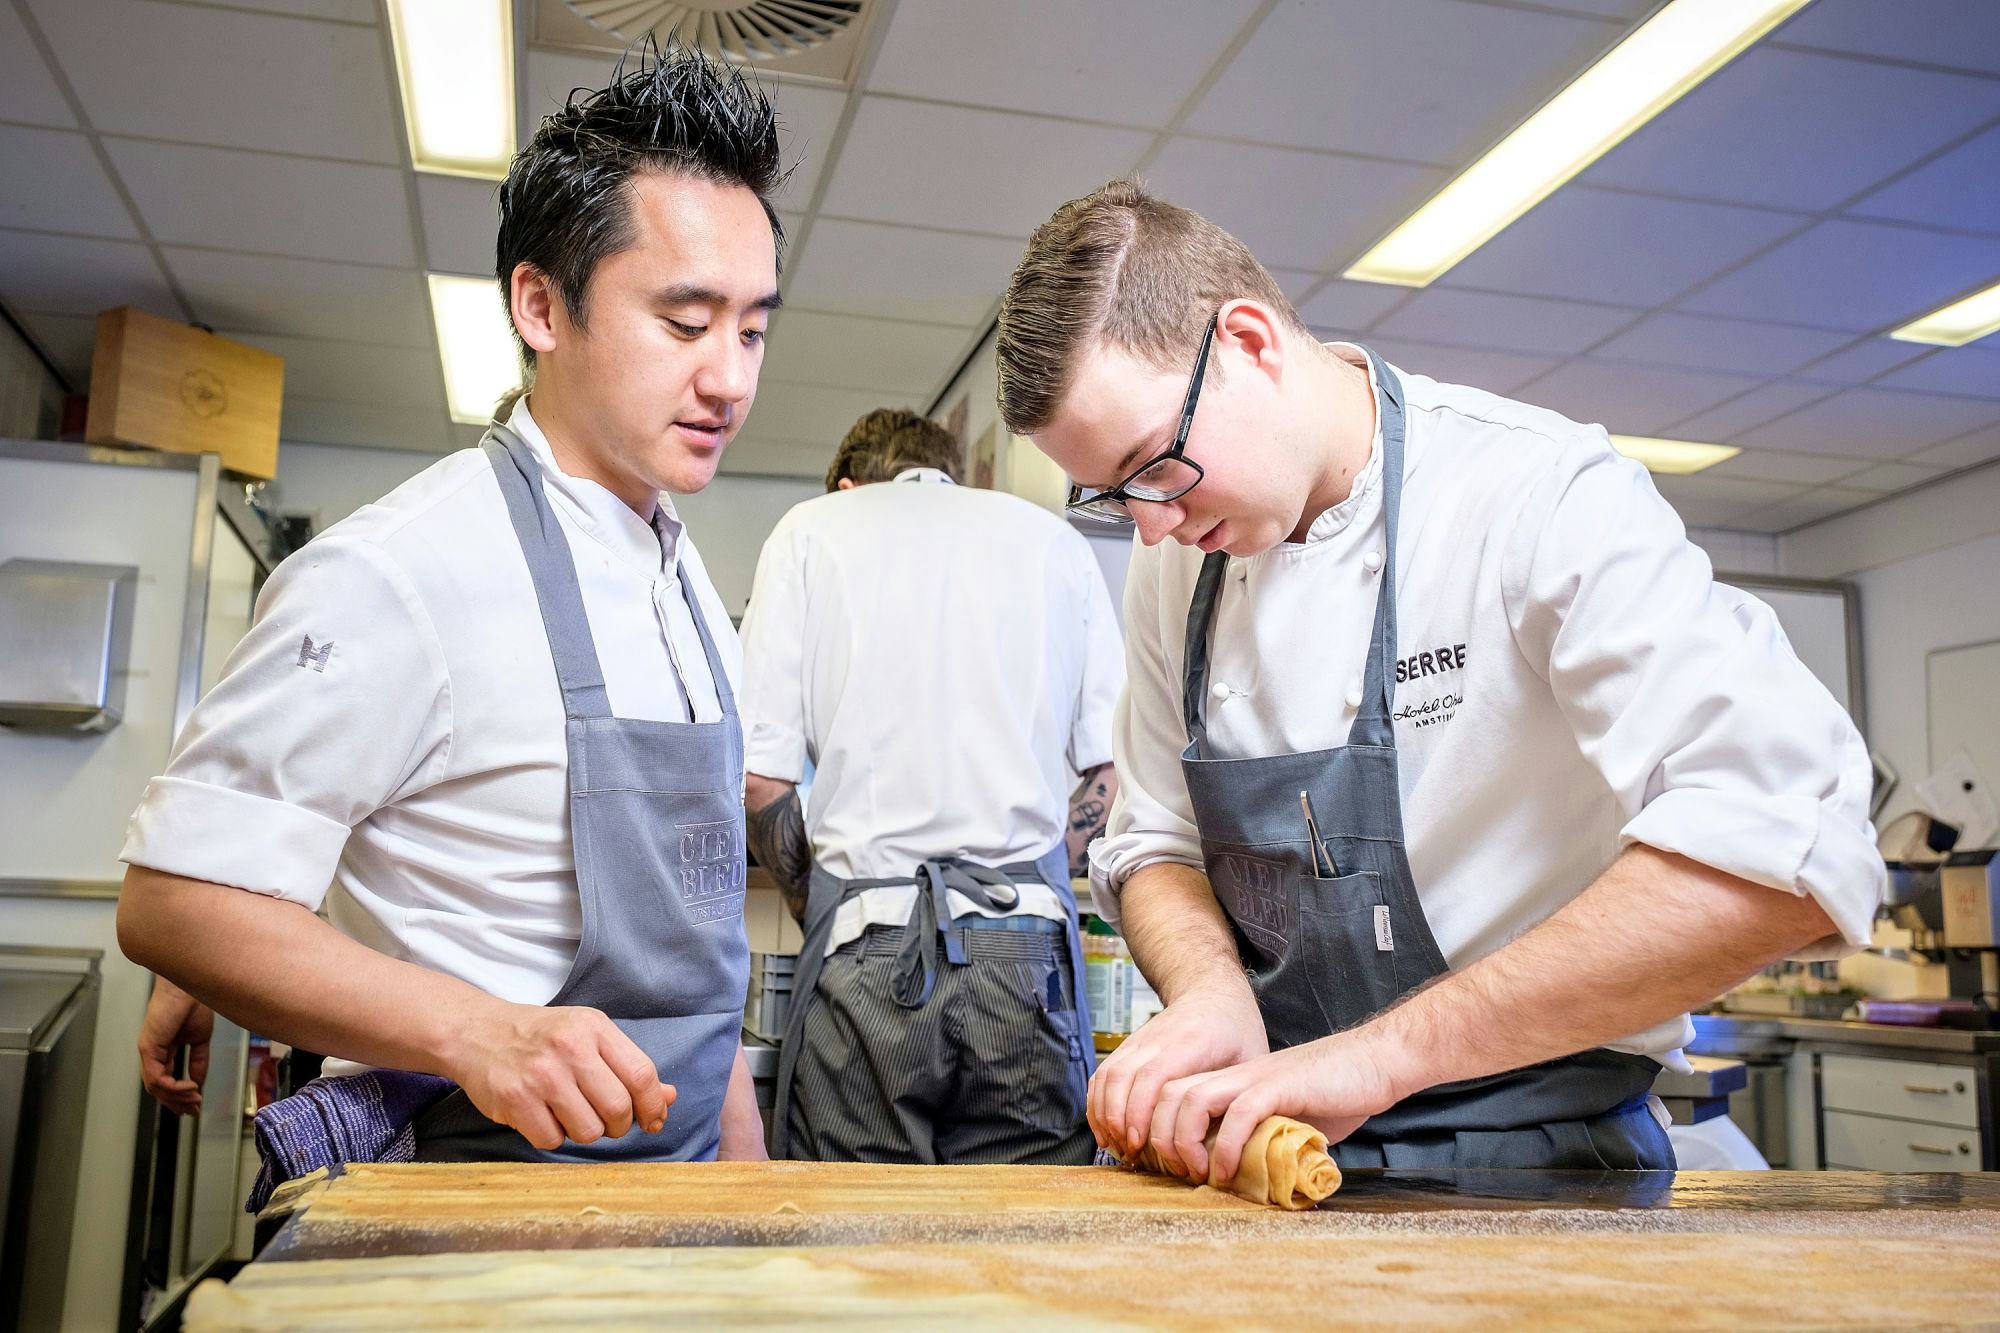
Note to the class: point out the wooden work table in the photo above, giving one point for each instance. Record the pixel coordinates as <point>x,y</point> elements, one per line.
<point>782,1244</point>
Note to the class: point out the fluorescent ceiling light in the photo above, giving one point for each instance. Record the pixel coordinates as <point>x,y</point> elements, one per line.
<point>476,343</point>
<point>1957,324</point>
<point>1674,457</point>
<point>455,61</point>
<point>1640,77</point>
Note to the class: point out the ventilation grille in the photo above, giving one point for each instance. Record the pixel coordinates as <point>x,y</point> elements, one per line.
<point>748,31</point>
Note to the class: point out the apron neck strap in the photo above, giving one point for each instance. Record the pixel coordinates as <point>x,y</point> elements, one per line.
<point>553,572</point>
<point>1371,725</point>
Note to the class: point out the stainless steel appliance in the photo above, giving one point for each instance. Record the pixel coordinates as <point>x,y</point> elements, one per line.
<point>48,1023</point>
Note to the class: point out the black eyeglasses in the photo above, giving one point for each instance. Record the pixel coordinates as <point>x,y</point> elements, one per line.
<point>1166,476</point>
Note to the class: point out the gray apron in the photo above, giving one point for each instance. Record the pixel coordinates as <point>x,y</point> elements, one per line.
<point>1325,954</point>
<point>656,820</point>
<point>915,971</point>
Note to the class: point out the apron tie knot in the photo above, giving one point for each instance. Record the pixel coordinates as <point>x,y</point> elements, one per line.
<point>915,971</point>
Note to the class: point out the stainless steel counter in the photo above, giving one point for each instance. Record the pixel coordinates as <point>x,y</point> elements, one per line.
<point>1736,1034</point>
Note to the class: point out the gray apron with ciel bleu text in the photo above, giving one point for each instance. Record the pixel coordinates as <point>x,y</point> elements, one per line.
<point>1328,953</point>
<point>656,821</point>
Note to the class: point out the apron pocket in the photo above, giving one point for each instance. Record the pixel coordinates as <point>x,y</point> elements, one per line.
<point>1051,1090</point>
<point>1347,942</point>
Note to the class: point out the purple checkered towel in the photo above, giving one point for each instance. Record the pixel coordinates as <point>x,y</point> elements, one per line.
<point>352,1118</point>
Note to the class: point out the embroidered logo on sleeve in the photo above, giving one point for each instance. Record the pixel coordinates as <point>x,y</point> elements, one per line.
<point>315,658</point>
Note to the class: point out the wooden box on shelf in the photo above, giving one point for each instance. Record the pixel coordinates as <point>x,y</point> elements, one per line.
<point>162,384</point>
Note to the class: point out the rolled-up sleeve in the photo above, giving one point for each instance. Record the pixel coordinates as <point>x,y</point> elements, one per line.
<point>774,685</point>
<point>1103,665</point>
<point>1152,818</point>
<point>336,702</point>
<point>1686,696</point>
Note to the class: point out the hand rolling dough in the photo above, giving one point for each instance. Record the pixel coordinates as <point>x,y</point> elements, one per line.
<point>1285,1163</point>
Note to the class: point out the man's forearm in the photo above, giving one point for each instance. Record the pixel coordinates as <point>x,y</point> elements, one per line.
<point>1177,932</point>
<point>1653,937</point>
<point>1089,808</point>
<point>274,967</point>
<point>742,1126</point>
<point>775,826</point>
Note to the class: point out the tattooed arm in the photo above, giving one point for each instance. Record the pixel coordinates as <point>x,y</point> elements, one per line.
<point>776,826</point>
<point>1089,807</point>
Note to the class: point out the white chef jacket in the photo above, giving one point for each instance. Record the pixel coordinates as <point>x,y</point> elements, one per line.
<point>387,743</point>
<point>949,657</point>
<point>1571,681</point>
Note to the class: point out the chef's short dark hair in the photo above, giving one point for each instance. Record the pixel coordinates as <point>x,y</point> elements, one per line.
<point>888,440</point>
<point>566,206</point>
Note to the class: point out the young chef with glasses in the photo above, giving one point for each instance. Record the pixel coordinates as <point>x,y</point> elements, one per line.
<point>1451,780</point>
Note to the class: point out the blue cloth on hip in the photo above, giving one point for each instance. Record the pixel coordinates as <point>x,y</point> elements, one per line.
<point>349,1118</point>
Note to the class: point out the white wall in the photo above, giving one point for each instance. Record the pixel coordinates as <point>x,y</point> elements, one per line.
<point>1928,566</point>
<point>30,398</point>
<point>1733,552</point>
<point>729,520</point>
<point>1927,563</point>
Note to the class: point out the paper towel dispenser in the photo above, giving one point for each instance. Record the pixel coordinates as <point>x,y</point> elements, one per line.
<point>65,643</point>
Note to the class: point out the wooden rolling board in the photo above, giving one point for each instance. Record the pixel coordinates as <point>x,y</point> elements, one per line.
<point>1689,1280</point>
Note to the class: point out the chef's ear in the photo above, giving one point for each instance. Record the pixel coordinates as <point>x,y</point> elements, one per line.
<point>1250,331</point>
<point>532,301</point>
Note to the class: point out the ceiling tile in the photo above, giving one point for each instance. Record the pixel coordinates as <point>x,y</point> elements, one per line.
<point>549,76</point>
<point>342,11</point>
<point>1775,465</point>
<point>1294,282</point>
<point>1968,450</point>
<point>461,222</point>
<point>228,77</point>
<point>1766,402</point>
<point>1351,305</point>
<point>305,298</point>
<point>1963,33</point>
<point>1426,80</point>
<point>1559,249</point>
<point>1049,56</point>
<point>939,166</point>
<point>1973,371</point>
<point>1705,501</point>
<point>815,415</point>
<point>1955,190</point>
<point>69,341</point>
<point>1293,209</point>
<point>1705,343</point>
<point>1630,399</point>
<point>373,425</point>
<point>1890,477</point>
<point>1852,275</point>
<point>1889,117</point>
<point>1803,509</point>
<point>1861,362</point>
<point>861,268</point>
<point>54,183</point>
<point>845,351</point>
<point>1495,372</point>
<point>325,370</point>
<point>1508,323</point>
<point>28,92</point>
<point>1874,423</point>
<point>307,208</point>
<point>69,275</point>
<point>806,120</point>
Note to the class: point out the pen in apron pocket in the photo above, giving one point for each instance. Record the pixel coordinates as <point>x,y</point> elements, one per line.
<point>1312,832</point>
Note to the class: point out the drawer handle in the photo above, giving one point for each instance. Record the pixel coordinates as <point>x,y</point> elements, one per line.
<point>1926,1088</point>
<point>1925,1147</point>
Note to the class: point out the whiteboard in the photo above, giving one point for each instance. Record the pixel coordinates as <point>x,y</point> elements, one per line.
<point>1963,685</point>
<point>1819,619</point>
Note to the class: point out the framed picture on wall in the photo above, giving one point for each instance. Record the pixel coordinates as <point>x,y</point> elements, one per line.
<point>986,460</point>
<point>956,418</point>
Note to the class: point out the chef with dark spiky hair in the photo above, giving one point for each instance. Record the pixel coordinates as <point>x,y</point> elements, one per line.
<point>465,811</point>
